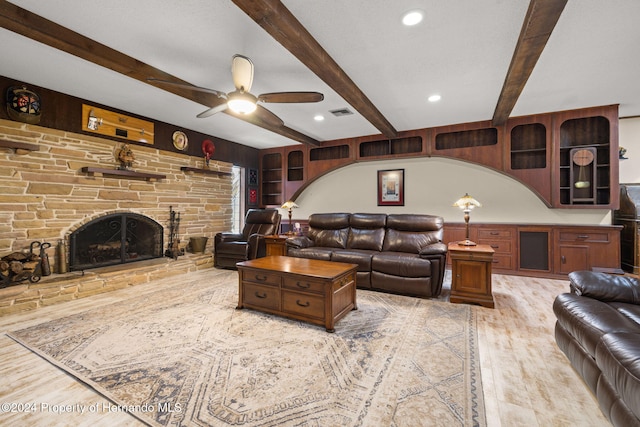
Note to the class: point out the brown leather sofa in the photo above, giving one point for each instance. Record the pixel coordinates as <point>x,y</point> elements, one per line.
<point>231,248</point>
<point>399,253</point>
<point>598,329</point>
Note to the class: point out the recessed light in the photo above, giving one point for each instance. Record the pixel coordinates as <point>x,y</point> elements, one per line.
<point>412,17</point>
<point>434,98</point>
<point>318,118</point>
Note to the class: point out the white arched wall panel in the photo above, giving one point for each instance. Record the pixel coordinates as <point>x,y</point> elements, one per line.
<point>432,185</point>
<point>630,139</point>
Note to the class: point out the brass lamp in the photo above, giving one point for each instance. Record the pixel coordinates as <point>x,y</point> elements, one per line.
<point>289,205</point>
<point>467,203</point>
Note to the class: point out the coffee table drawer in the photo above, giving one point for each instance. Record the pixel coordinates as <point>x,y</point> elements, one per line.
<point>261,296</point>
<point>303,285</point>
<point>303,304</point>
<point>262,277</point>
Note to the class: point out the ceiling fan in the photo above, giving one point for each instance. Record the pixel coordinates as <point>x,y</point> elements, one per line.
<point>241,101</point>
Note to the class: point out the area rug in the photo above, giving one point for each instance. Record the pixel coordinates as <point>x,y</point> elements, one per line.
<point>183,355</point>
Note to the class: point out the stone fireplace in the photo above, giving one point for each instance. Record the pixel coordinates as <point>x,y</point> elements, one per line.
<point>46,195</point>
<point>116,238</point>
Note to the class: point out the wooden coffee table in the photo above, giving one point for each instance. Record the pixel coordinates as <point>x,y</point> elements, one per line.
<point>319,292</point>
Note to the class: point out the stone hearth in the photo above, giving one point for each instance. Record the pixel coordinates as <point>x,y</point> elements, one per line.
<point>58,288</point>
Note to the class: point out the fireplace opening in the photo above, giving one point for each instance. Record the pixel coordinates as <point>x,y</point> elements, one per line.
<point>115,239</point>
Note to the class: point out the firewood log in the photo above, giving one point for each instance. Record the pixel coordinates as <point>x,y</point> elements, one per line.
<point>16,267</point>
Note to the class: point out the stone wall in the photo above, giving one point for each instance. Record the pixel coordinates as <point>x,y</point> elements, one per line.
<point>44,195</point>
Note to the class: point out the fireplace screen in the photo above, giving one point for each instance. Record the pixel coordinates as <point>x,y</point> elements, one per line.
<point>115,239</point>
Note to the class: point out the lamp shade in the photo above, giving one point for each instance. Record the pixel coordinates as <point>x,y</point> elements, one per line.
<point>289,205</point>
<point>467,202</point>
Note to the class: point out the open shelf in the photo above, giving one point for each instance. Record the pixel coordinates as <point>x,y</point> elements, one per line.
<point>585,134</point>
<point>204,171</point>
<point>529,146</point>
<point>123,173</point>
<point>18,145</point>
<point>271,179</point>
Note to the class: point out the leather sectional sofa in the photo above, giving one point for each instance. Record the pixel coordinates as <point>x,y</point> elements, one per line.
<point>598,329</point>
<point>400,253</point>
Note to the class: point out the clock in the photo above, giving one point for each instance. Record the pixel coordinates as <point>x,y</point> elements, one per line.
<point>582,157</point>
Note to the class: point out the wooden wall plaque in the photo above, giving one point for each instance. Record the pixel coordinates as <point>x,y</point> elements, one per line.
<point>117,125</point>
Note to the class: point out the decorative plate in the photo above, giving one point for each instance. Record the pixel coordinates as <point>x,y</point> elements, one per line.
<point>23,105</point>
<point>180,140</point>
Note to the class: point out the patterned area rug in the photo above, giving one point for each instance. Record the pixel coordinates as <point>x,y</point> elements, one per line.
<point>184,356</point>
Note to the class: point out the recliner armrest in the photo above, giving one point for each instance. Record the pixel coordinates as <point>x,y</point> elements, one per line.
<point>605,287</point>
<point>299,242</point>
<point>227,237</point>
<point>433,249</point>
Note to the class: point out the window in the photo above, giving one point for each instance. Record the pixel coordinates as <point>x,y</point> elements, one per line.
<point>237,199</point>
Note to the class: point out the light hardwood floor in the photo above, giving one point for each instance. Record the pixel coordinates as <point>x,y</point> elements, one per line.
<point>526,380</point>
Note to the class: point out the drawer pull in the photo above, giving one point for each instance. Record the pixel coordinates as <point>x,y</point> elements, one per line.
<point>583,236</point>
<point>306,304</point>
<point>563,259</point>
<point>495,246</point>
<point>303,285</point>
<point>261,278</point>
<point>494,233</point>
<point>259,295</point>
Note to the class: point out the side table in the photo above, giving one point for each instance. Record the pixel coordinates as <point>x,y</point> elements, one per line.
<point>471,274</point>
<point>275,244</point>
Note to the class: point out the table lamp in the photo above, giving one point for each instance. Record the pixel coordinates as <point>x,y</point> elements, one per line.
<point>289,205</point>
<point>467,203</point>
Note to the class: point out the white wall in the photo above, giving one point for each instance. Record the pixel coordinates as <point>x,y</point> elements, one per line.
<point>432,185</point>
<point>630,139</point>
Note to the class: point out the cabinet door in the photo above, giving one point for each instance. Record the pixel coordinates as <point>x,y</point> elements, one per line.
<point>471,277</point>
<point>572,258</point>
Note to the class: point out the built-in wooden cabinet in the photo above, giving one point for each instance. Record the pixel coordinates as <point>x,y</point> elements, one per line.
<point>544,250</point>
<point>550,153</point>
<point>588,156</point>
<point>271,179</point>
<point>501,240</point>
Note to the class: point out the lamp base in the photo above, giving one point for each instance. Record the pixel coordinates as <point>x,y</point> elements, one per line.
<point>466,242</point>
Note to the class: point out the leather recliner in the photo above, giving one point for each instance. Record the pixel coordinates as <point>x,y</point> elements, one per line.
<point>598,329</point>
<point>231,248</point>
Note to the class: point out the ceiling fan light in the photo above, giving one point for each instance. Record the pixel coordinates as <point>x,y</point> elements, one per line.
<point>242,102</point>
<point>412,17</point>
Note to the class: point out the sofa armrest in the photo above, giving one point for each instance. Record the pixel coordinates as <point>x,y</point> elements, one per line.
<point>433,249</point>
<point>605,287</point>
<point>299,242</point>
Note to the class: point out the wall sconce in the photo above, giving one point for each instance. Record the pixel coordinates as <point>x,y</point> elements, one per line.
<point>289,205</point>
<point>467,203</point>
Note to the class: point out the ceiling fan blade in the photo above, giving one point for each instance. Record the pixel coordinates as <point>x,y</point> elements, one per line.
<point>187,86</point>
<point>268,117</point>
<point>291,97</point>
<point>218,108</point>
<point>242,73</point>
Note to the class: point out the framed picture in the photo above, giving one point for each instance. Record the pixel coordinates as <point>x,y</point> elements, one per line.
<point>253,196</point>
<point>253,177</point>
<point>391,187</point>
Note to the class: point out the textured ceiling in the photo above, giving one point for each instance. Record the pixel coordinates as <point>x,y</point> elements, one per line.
<point>461,50</point>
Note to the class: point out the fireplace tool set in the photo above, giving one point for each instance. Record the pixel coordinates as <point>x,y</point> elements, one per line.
<point>174,251</point>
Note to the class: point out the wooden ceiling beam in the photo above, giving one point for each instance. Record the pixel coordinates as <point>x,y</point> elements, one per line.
<point>42,30</point>
<point>540,20</point>
<point>280,23</point>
